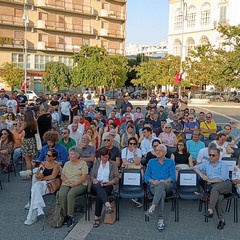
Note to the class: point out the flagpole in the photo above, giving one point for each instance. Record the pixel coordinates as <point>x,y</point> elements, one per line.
<point>26,21</point>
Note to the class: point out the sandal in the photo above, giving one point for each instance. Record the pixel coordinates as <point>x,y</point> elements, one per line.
<point>96,223</point>
<point>109,210</point>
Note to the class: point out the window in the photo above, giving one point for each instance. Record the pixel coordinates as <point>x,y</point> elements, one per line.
<point>177,45</point>
<point>191,17</point>
<point>189,46</point>
<point>68,61</point>
<point>205,14</point>
<point>19,59</point>
<point>223,14</point>
<point>41,60</point>
<point>204,40</point>
<point>178,19</point>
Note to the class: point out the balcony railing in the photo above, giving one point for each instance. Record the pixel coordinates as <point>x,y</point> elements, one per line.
<point>65,6</point>
<point>112,33</point>
<point>11,42</point>
<point>11,20</point>
<point>113,14</point>
<point>58,26</point>
<point>63,47</point>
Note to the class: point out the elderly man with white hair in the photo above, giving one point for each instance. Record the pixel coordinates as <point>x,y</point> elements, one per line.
<point>160,175</point>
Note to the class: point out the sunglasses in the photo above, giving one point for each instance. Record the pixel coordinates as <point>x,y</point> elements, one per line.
<point>107,140</point>
<point>167,127</point>
<point>208,117</point>
<point>131,143</point>
<point>212,155</point>
<point>64,132</point>
<point>49,155</point>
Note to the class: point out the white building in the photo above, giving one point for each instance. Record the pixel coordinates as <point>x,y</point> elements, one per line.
<point>147,50</point>
<point>193,22</point>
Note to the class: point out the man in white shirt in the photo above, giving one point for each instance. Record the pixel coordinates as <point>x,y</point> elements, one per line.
<point>65,110</point>
<point>74,134</point>
<point>89,101</point>
<point>203,155</point>
<point>81,127</point>
<point>163,100</point>
<point>12,103</point>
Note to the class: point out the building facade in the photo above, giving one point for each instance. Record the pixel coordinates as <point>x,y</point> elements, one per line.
<point>193,22</point>
<point>52,30</point>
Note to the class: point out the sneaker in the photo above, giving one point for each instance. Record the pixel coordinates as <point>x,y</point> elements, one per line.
<point>70,222</point>
<point>30,222</point>
<point>137,202</point>
<point>25,174</point>
<point>160,225</point>
<point>149,212</point>
<point>27,206</point>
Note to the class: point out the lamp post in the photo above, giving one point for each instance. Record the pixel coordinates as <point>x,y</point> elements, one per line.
<point>26,21</point>
<point>184,17</point>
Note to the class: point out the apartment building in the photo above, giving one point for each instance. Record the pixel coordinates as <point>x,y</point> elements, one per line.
<point>193,22</point>
<point>52,30</point>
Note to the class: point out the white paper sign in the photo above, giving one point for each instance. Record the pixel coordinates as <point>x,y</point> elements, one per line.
<point>188,179</point>
<point>230,165</point>
<point>132,179</point>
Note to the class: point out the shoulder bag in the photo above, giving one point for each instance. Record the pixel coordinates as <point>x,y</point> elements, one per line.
<point>38,139</point>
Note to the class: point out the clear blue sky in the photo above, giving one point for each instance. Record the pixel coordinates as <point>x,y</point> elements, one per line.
<point>147,21</point>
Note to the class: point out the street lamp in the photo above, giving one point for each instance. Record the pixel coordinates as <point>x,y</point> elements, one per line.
<point>183,13</point>
<point>26,21</point>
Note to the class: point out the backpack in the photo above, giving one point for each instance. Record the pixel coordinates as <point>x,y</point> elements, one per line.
<point>55,219</point>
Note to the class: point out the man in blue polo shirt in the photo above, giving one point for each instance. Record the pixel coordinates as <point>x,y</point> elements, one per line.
<point>216,174</point>
<point>159,176</point>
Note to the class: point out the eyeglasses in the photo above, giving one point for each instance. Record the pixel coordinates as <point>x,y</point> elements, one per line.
<point>208,117</point>
<point>180,144</point>
<point>190,118</point>
<point>132,143</point>
<point>212,155</point>
<point>167,127</point>
<point>185,115</point>
<point>107,140</point>
<point>64,132</point>
<point>49,155</point>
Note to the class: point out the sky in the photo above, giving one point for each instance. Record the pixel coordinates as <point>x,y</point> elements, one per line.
<point>147,21</point>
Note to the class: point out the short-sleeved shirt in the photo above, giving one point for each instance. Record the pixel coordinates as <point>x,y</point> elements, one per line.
<point>130,155</point>
<point>115,153</point>
<point>88,152</point>
<point>22,99</point>
<point>208,126</point>
<point>69,144</point>
<point>74,172</point>
<point>194,147</point>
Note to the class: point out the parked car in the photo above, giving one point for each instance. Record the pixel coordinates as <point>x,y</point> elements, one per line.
<point>112,94</point>
<point>235,97</point>
<point>31,95</point>
<point>139,94</point>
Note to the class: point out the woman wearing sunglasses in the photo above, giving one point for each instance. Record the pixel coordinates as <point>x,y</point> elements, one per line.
<point>131,155</point>
<point>6,148</point>
<point>47,170</point>
<point>103,181</point>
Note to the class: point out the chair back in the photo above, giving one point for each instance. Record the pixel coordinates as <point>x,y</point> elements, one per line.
<point>231,163</point>
<point>132,180</point>
<point>170,150</point>
<point>188,181</point>
<point>236,153</point>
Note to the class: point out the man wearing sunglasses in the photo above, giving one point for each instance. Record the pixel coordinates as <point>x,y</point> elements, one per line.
<point>216,176</point>
<point>66,141</point>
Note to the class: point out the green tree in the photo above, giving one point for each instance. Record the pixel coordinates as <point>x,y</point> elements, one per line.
<point>58,76</point>
<point>12,74</point>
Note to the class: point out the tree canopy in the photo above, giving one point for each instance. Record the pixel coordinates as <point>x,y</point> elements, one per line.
<point>58,76</point>
<point>12,74</point>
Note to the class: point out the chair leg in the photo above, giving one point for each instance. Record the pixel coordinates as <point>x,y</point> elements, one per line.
<point>206,209</point>
<point>236,199</point>
<point>200,205</point>
<point>1,184</point>
<point>176,210</point>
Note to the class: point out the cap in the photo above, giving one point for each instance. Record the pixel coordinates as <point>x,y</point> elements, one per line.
<point>113,132</point>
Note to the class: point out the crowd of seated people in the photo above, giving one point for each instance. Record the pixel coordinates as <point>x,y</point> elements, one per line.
<point>89,143</point>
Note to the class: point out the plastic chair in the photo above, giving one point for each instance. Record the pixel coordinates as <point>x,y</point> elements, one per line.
<point>170,150</point>
<point>231,162</point>
<point>132,186</point>
<point>188,188</point>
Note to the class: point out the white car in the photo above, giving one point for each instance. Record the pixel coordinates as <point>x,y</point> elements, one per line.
<point>31,95</point>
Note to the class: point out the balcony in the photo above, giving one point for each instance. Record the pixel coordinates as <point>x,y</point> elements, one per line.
<point>113,14</point>
<point>122,1</point>
<point>11,20</point>
<point>9,42</point>
<point>66,7</point>
<point>64,27</point>
<point>112,33</point>
<point>54,46</point>
<point>115,51</point>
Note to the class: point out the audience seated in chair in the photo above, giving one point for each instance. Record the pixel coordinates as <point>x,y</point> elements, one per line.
<point>74,183</point>
<point>48,170</point>
<point>103,182</point>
